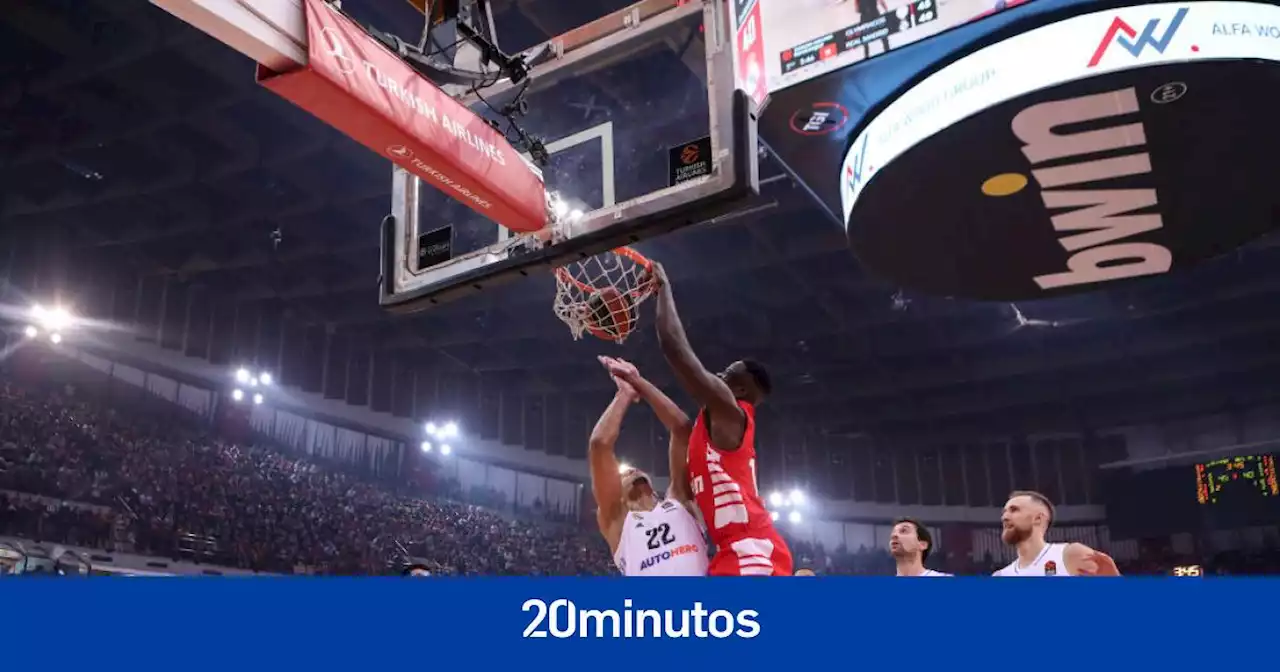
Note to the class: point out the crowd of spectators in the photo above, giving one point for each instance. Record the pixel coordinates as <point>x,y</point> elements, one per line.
<point>137,475</point>
<point>41,518</point>
<point>170,488</point>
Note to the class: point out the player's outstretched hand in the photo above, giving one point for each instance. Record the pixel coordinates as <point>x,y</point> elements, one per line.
<point>626,390</point>
<point>1099,564</point>
<point>619,370</point>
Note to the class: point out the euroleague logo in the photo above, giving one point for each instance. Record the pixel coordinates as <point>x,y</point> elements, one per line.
<point>820,119</point>
<point>690,154</point>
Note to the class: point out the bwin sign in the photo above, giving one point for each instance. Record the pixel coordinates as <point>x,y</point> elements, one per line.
<point>1049,181</point>
<point>1101,227</point>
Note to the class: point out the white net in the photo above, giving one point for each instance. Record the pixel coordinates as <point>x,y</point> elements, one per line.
<point>601,295</point>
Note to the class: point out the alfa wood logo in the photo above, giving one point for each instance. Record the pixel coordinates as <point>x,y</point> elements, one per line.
<point>1124,34</point>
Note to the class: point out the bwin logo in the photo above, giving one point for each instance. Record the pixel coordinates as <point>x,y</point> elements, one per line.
<point>1096,224</point>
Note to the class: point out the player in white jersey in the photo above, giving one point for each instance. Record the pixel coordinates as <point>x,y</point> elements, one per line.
<point>648,536</point>
<point>910,544</point>
<point>1027,516</point>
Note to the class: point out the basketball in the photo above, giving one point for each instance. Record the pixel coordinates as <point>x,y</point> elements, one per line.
<point>609,314</point>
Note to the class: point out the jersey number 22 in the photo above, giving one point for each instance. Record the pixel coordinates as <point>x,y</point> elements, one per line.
<point>659,536</point>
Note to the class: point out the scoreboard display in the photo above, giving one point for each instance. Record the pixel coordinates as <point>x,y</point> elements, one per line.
<point>1230,493</point>
<point>1237,480</point>
<point>881,27</point>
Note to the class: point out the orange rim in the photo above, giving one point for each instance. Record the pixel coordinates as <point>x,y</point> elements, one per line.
<point>625,252</point>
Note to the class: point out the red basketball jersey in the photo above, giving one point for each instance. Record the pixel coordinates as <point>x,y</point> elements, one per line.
<point>724,488</point>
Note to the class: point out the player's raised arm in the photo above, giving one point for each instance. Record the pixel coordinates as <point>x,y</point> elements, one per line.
<point>675,420</point>
<point>606,480</point>
<point>728,421</point>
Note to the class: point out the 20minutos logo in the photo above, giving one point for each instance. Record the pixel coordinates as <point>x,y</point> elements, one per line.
<point>563,619</point>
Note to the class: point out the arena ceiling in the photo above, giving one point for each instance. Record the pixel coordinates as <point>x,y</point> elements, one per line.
<point>145,174</point>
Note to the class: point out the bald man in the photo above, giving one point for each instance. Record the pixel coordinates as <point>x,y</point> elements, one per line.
<point>1027,517</point>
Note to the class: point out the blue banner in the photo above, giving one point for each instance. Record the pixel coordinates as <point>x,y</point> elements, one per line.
<point>570,624</point>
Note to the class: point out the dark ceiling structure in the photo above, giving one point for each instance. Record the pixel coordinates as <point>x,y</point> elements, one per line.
<point>148,180</point>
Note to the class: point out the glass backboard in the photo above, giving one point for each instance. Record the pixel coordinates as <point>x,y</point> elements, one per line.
<point>643,132</point>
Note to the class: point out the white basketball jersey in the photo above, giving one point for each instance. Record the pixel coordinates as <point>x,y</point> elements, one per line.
<point>1050,562</point>
<point>663,542</point>
<point>928,572</point>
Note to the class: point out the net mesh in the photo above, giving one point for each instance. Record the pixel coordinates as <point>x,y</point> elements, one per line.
<point>601,295</point>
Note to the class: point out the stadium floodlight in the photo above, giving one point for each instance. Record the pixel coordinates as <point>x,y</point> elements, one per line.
<point>623,467</point>
<point>448,430</point>
<point>237,394</point>
<point>793,499</point>
<point>52,320</point>
<point>248,378</point>
<point>426,446</point>
<point>57,318</point>
<point>445,449</point>
<point>789,504</point>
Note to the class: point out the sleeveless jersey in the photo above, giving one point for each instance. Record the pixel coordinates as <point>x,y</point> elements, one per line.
<point>1050,562</point>
<point>663,542</point>
<point>724,488</point>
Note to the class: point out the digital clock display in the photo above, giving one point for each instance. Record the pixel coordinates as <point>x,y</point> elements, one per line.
<point>1188,570</point>
<point>1248,477</point>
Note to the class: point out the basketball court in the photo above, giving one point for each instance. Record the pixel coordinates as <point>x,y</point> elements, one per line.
<point>895,116</point>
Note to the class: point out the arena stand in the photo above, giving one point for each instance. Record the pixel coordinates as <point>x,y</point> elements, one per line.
<point>136,484</point>
<point>144,477</point>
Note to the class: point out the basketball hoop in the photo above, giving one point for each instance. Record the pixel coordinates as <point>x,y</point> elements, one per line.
<point>601,295</point>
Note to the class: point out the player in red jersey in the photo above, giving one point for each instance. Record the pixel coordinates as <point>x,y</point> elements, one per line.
<point>722,451</point>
